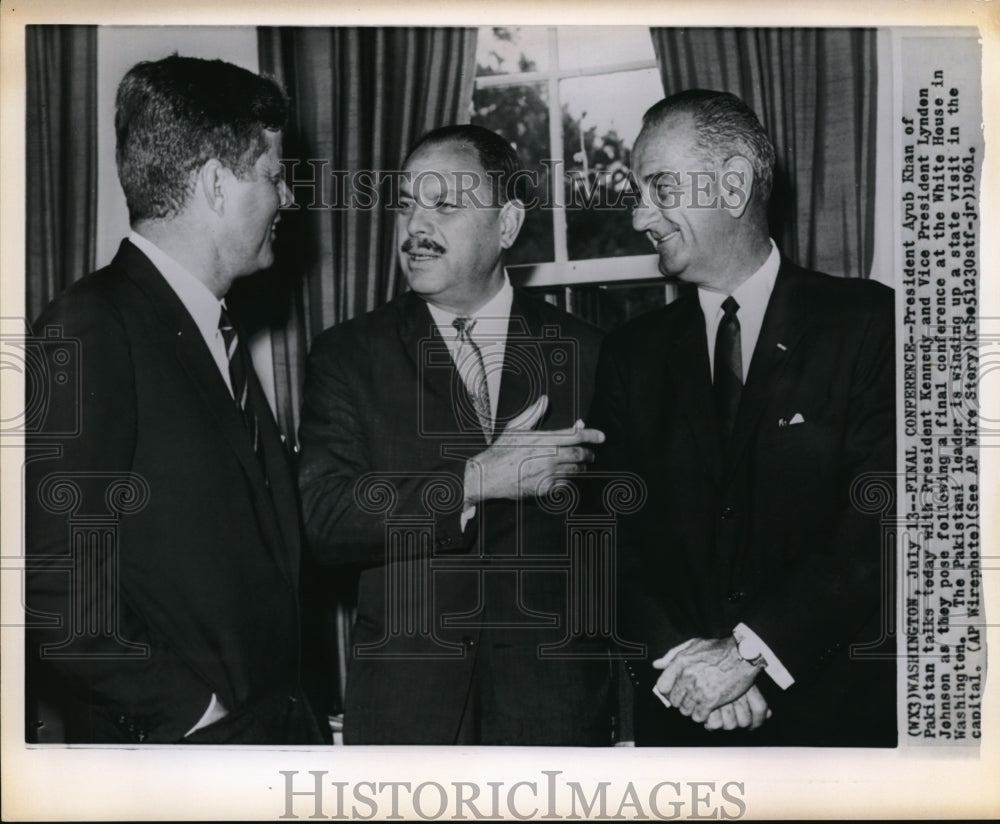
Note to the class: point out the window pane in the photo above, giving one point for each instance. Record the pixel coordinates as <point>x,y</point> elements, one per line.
<point>509,50</point>
<point>521,115</point>
<point>588,46</point>
<point>601,119</point>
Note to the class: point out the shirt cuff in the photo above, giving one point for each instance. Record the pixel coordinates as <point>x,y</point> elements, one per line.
<point>467,515</point>
<point>772,664</point>
<point>215,712</point>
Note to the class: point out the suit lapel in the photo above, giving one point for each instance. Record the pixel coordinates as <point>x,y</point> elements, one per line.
<point>519,385</point>
<point>441,387</point>
<point>179,333</point>
<point>785,321</point>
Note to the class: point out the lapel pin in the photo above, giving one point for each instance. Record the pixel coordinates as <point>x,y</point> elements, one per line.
<point>782,347</point>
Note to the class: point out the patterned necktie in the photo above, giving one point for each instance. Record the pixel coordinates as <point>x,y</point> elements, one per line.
<point>473,372</point>
<point>728,382</point>
<point>239,379</point>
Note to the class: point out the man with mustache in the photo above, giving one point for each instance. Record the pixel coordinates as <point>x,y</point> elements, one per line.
<point>452,412</point>
<point>181,624</point>
<point>756,407</point>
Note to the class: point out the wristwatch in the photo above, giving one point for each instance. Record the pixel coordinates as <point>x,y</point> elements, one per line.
<point>750,649</point>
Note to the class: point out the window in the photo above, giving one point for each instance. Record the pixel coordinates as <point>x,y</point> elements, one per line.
<point>570,99</point>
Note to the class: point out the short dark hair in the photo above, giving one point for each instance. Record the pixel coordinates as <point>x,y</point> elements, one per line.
<point>173,115</point>
<point>498,158</point>
<point>725,126</point>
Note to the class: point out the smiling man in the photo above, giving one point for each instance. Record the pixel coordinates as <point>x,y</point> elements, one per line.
<point>432,430</point>
<point>185,628</point>
<point>756,407</point>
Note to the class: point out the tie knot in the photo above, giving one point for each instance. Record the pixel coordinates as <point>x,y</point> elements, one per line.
<point>730,306</point>
<point>226,327</point>
<point>464,326</point>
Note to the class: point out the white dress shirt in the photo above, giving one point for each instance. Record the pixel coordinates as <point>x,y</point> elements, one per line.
<point>489,334</point>
<point>203,307</point>
<point>752,296</point>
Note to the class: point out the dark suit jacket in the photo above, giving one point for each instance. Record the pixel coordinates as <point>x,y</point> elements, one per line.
<point>384,401</point>
<point>774,533</point>
<point>198,592</point>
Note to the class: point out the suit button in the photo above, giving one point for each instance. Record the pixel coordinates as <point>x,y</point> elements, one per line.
<point>735,596</point>
<point>728,513</point>
<point>468,642</point>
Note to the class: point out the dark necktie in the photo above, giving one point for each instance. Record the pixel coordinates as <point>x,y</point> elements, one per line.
<point>728,382</point>
<point>239,366</point>
<point>473,372</point>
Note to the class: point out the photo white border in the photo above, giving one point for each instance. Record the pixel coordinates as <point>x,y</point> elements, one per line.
<point>79,783</point>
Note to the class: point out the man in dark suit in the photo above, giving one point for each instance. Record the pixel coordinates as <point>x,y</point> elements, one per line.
<point>422,467</point>
<point>756,408</point>
<point>163,539</point>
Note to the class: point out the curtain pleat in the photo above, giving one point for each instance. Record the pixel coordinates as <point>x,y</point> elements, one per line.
<point>61,159</point>
<point>815,93</point>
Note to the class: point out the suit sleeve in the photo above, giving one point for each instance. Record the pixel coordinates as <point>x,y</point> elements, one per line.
<point>343,519</point>
<point>838,583</point>
<point>640,613</point>
<point>153,696</point>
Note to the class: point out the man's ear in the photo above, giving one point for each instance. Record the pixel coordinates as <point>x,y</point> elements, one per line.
<point>511,221</point>
<point>211,185</point>
<point>736,185</point>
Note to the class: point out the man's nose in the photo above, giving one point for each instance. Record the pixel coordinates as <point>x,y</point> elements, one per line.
<point>287,198</point>
<point>418,221</point>
<point>643,216</point>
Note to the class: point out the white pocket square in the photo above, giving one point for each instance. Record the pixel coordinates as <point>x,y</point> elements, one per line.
<point>796,418</point>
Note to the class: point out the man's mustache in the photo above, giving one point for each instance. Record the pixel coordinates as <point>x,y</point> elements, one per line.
<point>421,244</point>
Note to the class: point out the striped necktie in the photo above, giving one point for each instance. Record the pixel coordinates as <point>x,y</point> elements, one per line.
<point>239,366</point>
<point>728,381</point>
<point>473,372</point>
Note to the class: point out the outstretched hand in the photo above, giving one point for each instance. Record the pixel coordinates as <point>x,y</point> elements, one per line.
<point>523,462</point>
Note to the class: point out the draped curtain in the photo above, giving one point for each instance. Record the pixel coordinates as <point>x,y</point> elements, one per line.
<point>361,97</point>
<point>814,91</point>
<point>61,158</point>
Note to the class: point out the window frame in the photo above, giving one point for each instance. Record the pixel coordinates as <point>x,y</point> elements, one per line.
<point>562,271</point>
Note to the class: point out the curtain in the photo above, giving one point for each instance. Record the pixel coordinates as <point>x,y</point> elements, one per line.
<point>61,158</point>
<point>814,91</point>
<point>361,97</point>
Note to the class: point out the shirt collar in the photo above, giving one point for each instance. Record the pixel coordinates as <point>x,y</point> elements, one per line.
<point>490,319</point>
<point>752,295</point>
<point>203,306</point>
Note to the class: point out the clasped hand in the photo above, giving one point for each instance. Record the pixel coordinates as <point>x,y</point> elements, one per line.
<point>707,680</point>
<point>523,462</point>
